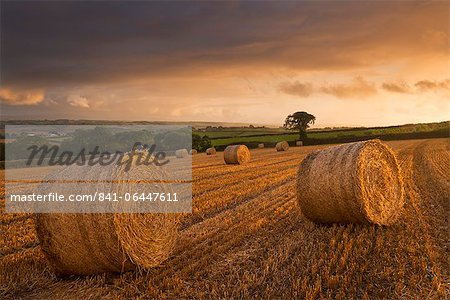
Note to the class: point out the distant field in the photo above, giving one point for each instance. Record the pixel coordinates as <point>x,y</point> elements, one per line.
<point>226,136</point>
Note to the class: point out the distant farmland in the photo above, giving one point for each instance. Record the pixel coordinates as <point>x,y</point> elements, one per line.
<point>222,136</point>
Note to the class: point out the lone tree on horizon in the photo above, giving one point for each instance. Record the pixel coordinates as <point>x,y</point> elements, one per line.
<point>300,121</point>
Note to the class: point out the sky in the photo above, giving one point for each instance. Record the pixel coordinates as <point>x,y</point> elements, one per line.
<point>348,63</point>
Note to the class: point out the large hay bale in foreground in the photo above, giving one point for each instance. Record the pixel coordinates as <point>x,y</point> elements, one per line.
<point>84,244</point>
<point>282,146</point>
<point>236,154</point>
<point>211,151</point>
<point>351,183</point>
<point>181,153</point>
<point>193,152</point>
<point>260,145</point>
<point>91,243</point>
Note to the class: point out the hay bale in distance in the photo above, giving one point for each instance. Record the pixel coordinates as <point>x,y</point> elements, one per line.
<point>260,145</point>
<point>236,154</point>
<point>299,143</point>
<point>91,243</point>
<point>181,153</point>
<point>282,146</point>
<point>211,151</point>
<point>351,183</point>
<point>193,152</point>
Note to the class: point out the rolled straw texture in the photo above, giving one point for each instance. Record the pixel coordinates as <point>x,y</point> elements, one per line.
<point>351,183</point>
<point>211,151</point>
<point>91,243</point>
<point>181,153</point>
<point>282,146</point>
<point>236,154</point>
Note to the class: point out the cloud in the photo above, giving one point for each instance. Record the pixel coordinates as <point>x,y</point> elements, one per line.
<point>23,97</point>
<point>198,51</point>
<point>419,87</point>
<point>297,89</point>
<point>121,42</point>
<point>400,87</point>
<point>78,101</point>
<point>437,37</point>
<point>428,85</point>
<point>361,88</point>
<point>358,88</point>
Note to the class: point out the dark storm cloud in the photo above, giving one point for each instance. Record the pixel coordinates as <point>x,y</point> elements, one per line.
<point>80,41</point>
<point>52,43</point>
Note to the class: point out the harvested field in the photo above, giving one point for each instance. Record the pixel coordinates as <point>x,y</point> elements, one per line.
<point>247,238</point>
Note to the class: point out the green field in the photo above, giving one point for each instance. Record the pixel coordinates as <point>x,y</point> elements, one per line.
<point>226,136</point>
<point>240,132</point>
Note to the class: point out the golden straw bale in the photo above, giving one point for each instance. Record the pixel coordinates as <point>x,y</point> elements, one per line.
<point>211,151</point>
<point>181,153</point>
<point>193,152</point>
<point>351,183</point>
<point>236,154</point>
<point>282,146</point>
<point>90,243</point>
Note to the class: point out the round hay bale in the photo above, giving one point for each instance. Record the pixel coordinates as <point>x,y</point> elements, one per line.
<point>236,154</point>
<point>260,145</point>
<point>181,153</point>
<point>91,243</point>
<point>282,146</point>
<point>193,152</point>
<point>299,143</point>
<point>351,183</point>
<point>211,151</point>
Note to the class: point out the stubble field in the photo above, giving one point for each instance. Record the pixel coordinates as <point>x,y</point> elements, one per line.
<point>247,238</point>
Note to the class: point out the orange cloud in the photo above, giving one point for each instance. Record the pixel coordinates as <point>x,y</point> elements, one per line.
<point>427,85</point>
<point>401,87</point>
<point>297,89</point>
<point>25,97</point>
<point>78,101</point>
<point>358,88</point>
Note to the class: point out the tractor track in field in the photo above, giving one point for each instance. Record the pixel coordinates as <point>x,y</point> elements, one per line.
<point>206,185</point>
<point>209,237</point>
<point>224,170</point>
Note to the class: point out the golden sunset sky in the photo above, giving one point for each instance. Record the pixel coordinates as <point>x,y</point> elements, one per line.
<point>348,63</point>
